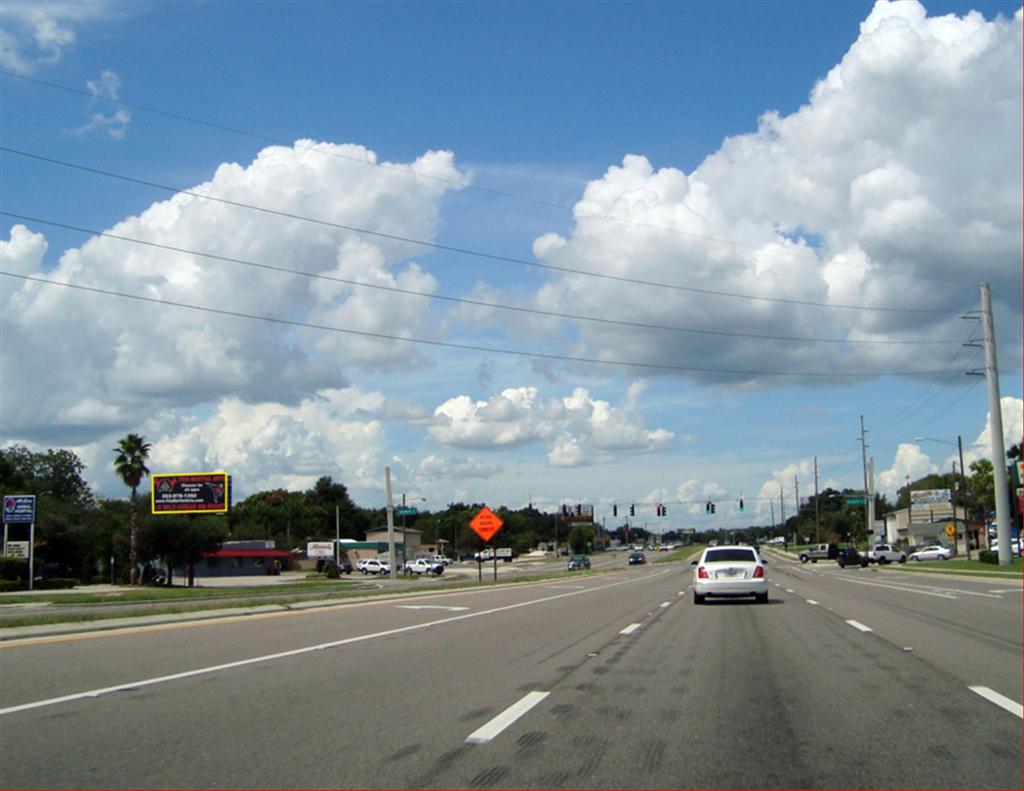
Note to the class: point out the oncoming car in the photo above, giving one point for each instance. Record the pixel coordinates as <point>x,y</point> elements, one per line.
<point>637,559</point>
<point>729,572</point>
<point>931,553</point>
<point>577,562</point>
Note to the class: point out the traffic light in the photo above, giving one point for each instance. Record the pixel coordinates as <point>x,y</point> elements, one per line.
<point>741,505</point>
<point>712,507</point>
<point>579,509</point>
<point>615,510</point>
<point>658,510</point>
<point>632,510</point>
<point>707,507</point>
<point>664,510</point>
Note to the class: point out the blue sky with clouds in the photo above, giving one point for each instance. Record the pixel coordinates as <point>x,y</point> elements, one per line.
<point>713,235</point>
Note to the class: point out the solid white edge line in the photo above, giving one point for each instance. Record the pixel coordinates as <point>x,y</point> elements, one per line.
<point>630,629</point>
<point>485,733</point>
<point>860,626</point>
<point>1003,702</point>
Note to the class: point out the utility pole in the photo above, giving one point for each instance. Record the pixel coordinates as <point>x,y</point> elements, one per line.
<point>391,524</point>
<point>817,506</point>
<point>871,502</point>
<point>864,462</point>
<point>796,495</point>
<point>995,430</point>
<point>782,510</point>
<point>963,499</point>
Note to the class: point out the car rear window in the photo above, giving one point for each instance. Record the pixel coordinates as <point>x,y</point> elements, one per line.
<point>730,555</point>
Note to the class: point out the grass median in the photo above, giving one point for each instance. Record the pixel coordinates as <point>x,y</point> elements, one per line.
<point>18,610</point>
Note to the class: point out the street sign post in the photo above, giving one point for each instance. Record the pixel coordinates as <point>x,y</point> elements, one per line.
<point>21,509</point>
<point>485,524</point>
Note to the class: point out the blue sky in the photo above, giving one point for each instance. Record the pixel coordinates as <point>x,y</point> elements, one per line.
<point>807,156</point>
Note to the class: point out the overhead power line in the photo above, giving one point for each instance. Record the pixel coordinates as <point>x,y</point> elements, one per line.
<point>462,250</point>
<point>464,300</point>
<point>409,171</point>
<point>471,347</point>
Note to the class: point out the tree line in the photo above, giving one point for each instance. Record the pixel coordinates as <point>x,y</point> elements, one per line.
<point>99,539</point>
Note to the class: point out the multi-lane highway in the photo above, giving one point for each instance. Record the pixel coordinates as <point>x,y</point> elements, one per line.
<point>847,678</point>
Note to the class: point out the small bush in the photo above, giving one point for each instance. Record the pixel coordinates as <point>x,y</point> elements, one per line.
<point>13,569</point>
<point>988,556</point>
<point>331,570</point>
<point>55,583</point>
<point>12,585</point>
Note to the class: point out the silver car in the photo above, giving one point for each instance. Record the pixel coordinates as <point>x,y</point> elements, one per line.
<point>729,572</point>
<point>931,553</point>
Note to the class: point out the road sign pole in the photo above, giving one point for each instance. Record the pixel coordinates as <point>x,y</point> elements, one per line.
<point>495,553</point>
<point>31,553</point>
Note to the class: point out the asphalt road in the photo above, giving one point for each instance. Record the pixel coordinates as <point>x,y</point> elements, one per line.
<point>618,681</point>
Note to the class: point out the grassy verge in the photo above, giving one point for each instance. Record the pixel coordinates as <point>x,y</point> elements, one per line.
<point>963,567</point>
<point>197,600</point>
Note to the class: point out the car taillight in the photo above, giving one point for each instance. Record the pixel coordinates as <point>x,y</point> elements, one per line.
<point>702,573</point>
<point>758,572</point>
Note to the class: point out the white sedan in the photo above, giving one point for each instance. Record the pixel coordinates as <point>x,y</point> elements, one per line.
<point>931,553</point>
<point>729,571</point>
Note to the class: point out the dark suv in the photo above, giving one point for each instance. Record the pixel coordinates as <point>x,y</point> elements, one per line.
<point>849,556</point>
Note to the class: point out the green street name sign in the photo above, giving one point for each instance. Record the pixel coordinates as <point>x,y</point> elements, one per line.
<point>406,512</point>
<point>855,500</point>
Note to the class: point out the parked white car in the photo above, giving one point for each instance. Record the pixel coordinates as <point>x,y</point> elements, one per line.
<point>931,553</point>
<point>729,571</point>
<point>1015,546</point>
<point>374,566</point>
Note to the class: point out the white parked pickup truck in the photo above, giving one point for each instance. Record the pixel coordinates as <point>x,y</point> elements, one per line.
<point>423,566</point>
<point>886,553</point>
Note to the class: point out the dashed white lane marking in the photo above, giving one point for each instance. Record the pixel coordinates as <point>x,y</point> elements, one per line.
<point>789,590</point>
<point>665,604</point>
<point>811,601</point>
<point>1000,700</point>
<point>630,629</point>
<point>430,607</point>
<point>485,733</point>
<point>860,626</point>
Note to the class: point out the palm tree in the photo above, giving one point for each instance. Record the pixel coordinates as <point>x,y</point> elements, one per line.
<point>130,464</point>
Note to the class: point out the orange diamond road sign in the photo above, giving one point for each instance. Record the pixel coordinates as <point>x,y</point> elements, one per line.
<point>486,523</point>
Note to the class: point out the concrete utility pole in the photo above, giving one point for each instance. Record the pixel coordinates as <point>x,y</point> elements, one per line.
<point>391,525</point>
<point>864,462</point>
<point>995,430</point>
<point>817,506</point>
<point>871,502</point>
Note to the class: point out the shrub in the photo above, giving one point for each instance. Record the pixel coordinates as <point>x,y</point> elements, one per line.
<point>12,585</point>
<point>988,556</point>
<point>13,569</point>
<point>55,583</point>
<point>331,570</point>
